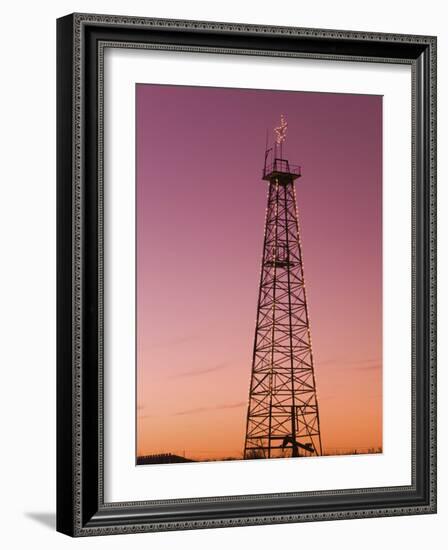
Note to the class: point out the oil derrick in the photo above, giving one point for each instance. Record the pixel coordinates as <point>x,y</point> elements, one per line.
<point>283,415</point>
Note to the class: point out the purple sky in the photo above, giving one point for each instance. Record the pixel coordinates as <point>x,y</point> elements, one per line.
<point>200,214</point>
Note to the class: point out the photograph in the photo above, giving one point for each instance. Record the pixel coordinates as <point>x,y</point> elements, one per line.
<point>246,273</point>
<point>259,274</point>
<point>223,236</point>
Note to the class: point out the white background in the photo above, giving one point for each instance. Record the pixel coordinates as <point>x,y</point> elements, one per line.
<point>125,482</point>
<point>27,223</point>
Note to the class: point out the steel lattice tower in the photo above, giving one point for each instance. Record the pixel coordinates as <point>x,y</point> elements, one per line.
<point>283,415</point>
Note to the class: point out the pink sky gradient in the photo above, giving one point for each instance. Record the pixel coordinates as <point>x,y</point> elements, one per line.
<point>200,215</point>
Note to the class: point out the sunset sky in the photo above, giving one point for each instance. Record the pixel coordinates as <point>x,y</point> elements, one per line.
<point>200,215</point>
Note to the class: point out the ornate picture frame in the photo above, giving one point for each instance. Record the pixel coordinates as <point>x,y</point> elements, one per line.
<point>81,506</point>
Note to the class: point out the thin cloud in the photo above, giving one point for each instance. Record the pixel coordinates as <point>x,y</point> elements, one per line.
<point>215,408</point>
<point>364,364</point>
<point>373,366</point>
<point>173,342</point>
<point>199,372</point>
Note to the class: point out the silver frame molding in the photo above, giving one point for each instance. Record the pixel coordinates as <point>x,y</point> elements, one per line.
<point>82,39</point>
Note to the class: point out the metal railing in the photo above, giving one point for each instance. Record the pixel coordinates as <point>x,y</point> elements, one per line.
<point>281,166</point>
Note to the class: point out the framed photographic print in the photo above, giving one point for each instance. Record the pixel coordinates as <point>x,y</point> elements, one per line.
<point>246,274</point>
